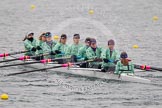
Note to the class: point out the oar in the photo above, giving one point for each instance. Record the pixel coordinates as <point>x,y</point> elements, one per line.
<point>12,53</point>
<point>147,67</point>
<point>41,61</point>
<point>43,69</point>
<point>156,68</point>
<point>23,58</point>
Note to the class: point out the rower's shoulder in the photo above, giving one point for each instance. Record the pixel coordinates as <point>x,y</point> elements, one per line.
<point>74,45</point>
<point>89,48</point>
<point>129,62</point>
<point>54,42</point>
<point>58,44</point>
<point>82,48</point>
<point>101,48</point>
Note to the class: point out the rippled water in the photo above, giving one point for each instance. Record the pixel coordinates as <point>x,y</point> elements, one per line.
<point>128,22</point>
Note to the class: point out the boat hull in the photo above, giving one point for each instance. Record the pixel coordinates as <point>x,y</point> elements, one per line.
<point>88,72</point>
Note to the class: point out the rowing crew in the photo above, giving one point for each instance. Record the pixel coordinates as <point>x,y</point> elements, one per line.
<point>105,59</point>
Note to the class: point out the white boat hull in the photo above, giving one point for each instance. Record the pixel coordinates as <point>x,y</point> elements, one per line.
<point>89,72</point>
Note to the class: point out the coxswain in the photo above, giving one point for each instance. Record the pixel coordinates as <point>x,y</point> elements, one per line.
<point>124,65</point>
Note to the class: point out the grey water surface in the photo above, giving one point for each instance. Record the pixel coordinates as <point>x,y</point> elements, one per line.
<point>129,22</point>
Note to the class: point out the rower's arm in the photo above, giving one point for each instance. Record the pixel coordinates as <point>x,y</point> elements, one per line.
<point>90,55</point>
<point>68,51</point>
<point>56,47</point>
<point>28,45</point>
<point>80,52</point>
<point>45,48</point>
<point>103,54</point>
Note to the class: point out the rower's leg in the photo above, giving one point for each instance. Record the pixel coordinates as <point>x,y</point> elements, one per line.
<point>39,58</point>
<point>99,66</point>
<point>84,65</point>
<point>104,69</point>
<point>111,69</point>
<point>96,66</point>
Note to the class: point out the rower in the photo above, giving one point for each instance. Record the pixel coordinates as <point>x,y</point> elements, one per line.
<point>94,52</point>
<point>42,39</point>
<point>124,65</point>
<point>61,47</point>
<point>110,57</point>
<point>82,52</point>
<point>48,45</point>
<point>30,44</point>
<point>74,48</point>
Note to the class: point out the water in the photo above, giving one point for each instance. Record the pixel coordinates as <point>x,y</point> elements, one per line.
<point>128,22</point>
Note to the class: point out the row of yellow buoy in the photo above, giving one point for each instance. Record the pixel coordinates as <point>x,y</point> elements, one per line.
<point>154,18</point>
<point>91,11</point>
<point>32,7</point>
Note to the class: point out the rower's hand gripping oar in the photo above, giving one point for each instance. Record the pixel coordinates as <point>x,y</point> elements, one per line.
<point>12,53</point>
<point>43,69</point>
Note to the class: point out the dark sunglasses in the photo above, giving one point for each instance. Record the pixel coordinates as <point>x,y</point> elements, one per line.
<point>63,38</point>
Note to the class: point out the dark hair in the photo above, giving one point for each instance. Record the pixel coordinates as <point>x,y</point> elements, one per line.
<point>88,39</point>
<point>25,38</point>
<point>63,36</point>
<point>93,40</point>
<point>40,37</point>
<point>76,35</point>
<point>111,42</point>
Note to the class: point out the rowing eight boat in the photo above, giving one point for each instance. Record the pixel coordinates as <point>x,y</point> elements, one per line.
<point>90,72</point>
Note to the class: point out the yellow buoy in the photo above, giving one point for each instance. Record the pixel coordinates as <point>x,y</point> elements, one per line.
<point>56,37</point>
<point>4,96</point>
<point>155,18</point>
<point>91,12</point>
<point>135,46</point>
<point>32,6</point>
